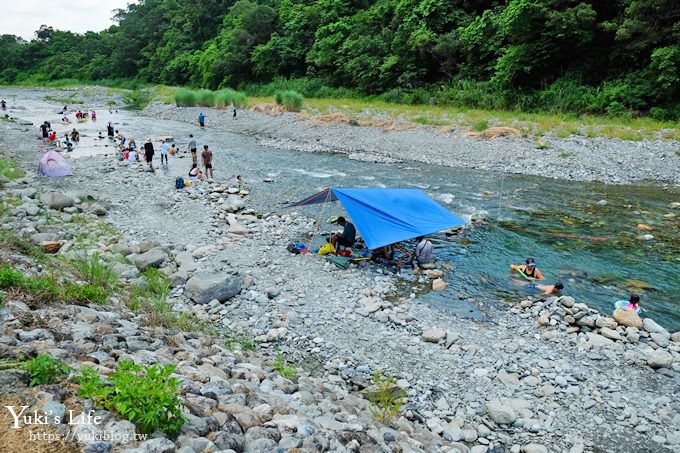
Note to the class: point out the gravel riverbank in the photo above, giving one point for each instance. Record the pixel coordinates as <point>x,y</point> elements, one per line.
<point>536,376</point>
<point>573,158</point>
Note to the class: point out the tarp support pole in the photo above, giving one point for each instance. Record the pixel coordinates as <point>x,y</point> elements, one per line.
<point>317,226</point>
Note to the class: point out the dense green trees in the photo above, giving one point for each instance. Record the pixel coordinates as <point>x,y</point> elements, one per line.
<point>604,56</point>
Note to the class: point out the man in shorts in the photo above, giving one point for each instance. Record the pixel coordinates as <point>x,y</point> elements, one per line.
<point>164,152</point>
<point>192,148</point>
<point>148,153</point>
<point>207,156</point>
<point>44,129</point>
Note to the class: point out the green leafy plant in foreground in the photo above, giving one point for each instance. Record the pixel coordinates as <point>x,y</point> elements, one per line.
<point>386,397</point>
<point>44,369</point>
<point>145,395</point>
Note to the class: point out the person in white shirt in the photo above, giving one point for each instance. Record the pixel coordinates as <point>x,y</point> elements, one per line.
<point>424,252</point>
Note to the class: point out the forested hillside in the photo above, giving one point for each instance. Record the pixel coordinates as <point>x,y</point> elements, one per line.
<point>598,56</point>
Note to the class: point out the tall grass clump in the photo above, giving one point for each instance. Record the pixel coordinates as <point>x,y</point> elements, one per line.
<point>137,100</point>
<point>226,97</point>
<point>291,100</point>
<point>95,270</point>
<point>205,98</point>
<point>186,98</point>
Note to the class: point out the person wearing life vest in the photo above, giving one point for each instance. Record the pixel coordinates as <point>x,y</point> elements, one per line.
<point>529,269</point>
<point>633,303</point>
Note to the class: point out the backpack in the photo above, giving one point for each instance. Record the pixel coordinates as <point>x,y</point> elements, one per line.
<point>179,183</point>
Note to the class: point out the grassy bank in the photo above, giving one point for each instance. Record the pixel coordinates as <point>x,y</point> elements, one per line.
<point>532,124</point>
<point>536,124</point>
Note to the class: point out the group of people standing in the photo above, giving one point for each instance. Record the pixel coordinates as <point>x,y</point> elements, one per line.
<point>206,158</point>
<point>127,150</point>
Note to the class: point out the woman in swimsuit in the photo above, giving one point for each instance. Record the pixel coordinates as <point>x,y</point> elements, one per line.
<point>529,270</point>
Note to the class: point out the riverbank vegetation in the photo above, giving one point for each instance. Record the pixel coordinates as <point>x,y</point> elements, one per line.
<point>570,57</point>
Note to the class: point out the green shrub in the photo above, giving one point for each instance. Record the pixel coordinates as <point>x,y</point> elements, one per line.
<point>137,100</point>
<point>10,277</point>
<point>186,98</point>
<point>95,270</point>
<point>291,100</point>
<point>481,126</point>
<point>205,98</point>
<point>87,293</point>
<point>226,97</point>
<point>386,397</point>
<point>44,369</point>
<point>145,395</point>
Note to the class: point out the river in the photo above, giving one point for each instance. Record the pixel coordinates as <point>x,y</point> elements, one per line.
<point>587,235</point>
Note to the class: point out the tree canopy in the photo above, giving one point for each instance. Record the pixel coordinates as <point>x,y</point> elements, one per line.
<point>597,55</point>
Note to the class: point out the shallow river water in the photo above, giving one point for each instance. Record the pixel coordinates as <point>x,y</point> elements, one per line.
<point>587,235</point>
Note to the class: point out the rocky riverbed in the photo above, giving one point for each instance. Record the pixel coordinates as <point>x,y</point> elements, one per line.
<point>575,158</point>
<point>539,375</point>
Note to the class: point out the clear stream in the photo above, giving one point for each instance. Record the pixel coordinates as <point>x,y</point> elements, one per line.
<point>594,247</point>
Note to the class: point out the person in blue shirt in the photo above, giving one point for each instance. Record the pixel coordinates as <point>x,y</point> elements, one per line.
<point>201,119</point>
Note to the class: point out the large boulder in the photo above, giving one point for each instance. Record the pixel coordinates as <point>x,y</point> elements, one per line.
<point>598,341</point>
<point>500,413</point>
<point>610,333</point>
<point>152,258</point>
<point>603,321</point>
<point>652,327</point>
<point>57,200</point>
<point>204,287</point>
<point>233,203</point>
<point>658,358</point>
<point>434,335</point>
<point>627,318</point>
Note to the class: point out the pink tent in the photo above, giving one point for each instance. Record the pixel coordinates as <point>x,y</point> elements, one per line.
<point>53,164</point>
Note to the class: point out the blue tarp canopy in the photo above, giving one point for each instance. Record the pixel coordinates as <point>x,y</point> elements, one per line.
<point>387,216</point>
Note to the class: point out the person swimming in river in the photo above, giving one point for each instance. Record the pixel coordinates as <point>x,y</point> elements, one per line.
<point>528,270</point>
<point>3,104</point>
<point>75,136</point>
<point>547,290</point>
<point>633,303</point>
